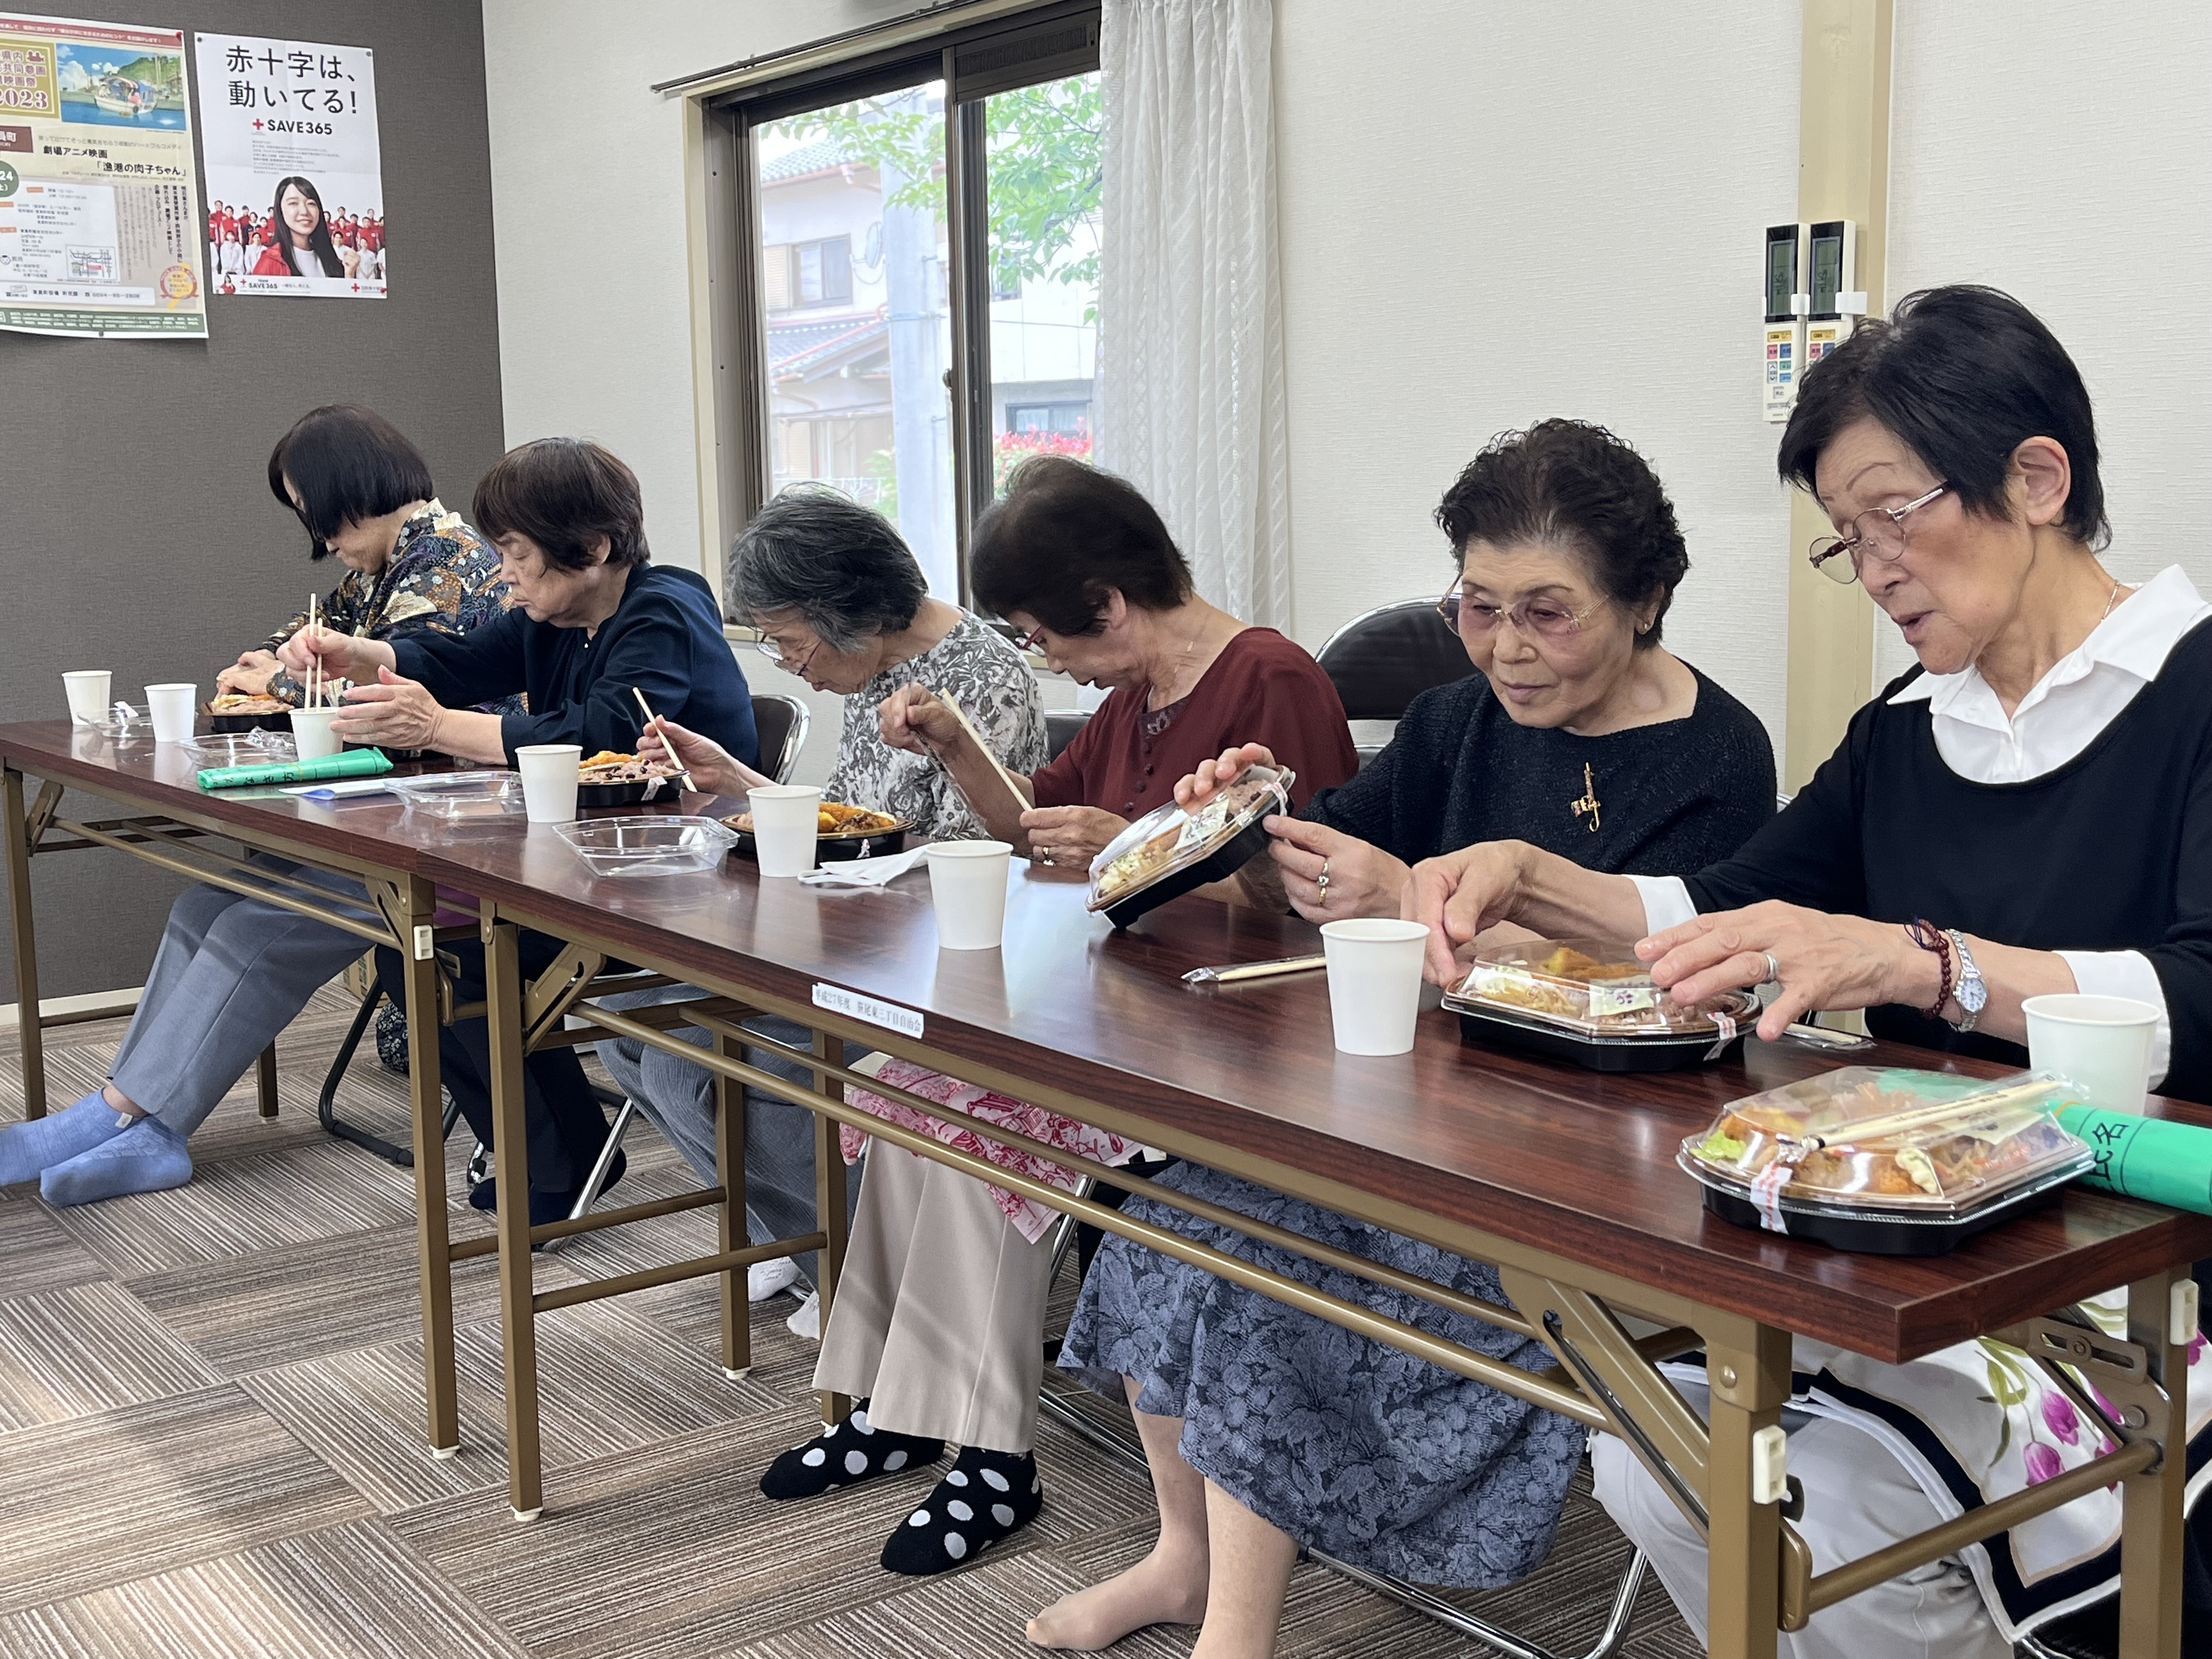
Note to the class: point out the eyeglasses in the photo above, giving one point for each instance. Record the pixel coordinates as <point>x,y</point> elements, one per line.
<point>1032,641</point>
<point>1546,618</point>
<point>774,649</point>
<point>1878,533</point>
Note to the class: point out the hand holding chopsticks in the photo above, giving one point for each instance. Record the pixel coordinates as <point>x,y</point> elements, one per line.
<point>683,772</point>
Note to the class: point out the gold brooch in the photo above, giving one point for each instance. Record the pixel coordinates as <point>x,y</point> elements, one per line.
<point>1588,802</point>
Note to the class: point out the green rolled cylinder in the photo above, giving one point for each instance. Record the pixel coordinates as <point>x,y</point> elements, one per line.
<point>352,763</point>
<point>2146,1158</point>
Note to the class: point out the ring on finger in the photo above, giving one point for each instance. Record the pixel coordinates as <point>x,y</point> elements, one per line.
<point>1773,970</point>
<point>1322,881</point>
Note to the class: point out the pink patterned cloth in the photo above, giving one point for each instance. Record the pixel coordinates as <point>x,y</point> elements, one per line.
<point>1031,1218</point>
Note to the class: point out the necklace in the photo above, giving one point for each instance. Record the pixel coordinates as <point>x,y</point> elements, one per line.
<point>1588,803</point>
<point>2111,599</point>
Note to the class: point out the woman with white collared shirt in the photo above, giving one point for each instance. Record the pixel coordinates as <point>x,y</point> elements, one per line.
<point>2028,810</point>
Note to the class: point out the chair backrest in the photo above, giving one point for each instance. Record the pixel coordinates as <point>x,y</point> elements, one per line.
<point>1061,725</point>
<point>781,723</point>
<point>1382,659</point>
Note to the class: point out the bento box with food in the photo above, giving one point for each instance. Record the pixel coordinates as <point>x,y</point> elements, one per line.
<point>1590,1001</point>
<point>237,711</point>
<point>1891,1161</point>
<point>666,846</point>
<point>611,778</point>
<point>841,832</point>
<point>1169,852</point>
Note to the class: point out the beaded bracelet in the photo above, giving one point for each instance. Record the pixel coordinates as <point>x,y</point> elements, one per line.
<point>1929,937</point>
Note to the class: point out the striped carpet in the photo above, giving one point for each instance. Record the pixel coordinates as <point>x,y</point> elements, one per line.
<point>211,1444</point>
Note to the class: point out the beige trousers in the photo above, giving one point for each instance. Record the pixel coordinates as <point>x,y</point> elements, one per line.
<point>938,1318</point>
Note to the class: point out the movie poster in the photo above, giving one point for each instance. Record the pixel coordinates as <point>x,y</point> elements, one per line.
<point>99,220</point>
<point>295,176</point>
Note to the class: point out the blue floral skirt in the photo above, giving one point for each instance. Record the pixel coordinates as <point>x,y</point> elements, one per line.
<point>1350,1446</point>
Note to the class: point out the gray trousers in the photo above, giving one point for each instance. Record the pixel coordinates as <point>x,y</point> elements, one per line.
<point>679,1098</point>
<point>230,974</point>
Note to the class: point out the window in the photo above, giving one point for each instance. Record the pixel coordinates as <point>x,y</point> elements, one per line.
<point>922,310</point>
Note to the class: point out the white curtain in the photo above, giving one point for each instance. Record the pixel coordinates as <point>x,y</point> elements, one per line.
<point>1190,298</point>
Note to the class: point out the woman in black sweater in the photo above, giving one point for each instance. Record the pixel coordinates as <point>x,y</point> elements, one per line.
<point>2029,811</point>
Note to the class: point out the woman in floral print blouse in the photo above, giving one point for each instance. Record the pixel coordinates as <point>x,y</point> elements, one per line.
<point>365,496</point>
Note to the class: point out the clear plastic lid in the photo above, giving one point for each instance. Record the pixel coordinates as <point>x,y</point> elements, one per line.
<point>1866,1140</point>
<point>1169,839</point>
<point>455,795</point>
<point>666,846</point>
<point>1595,987</point>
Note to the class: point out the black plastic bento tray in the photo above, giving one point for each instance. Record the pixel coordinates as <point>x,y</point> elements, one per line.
<point>1223,862</point>
<point>833,849</point>
<point>279,721</point>
<point>1887,1236</point>
<point>1648,1053</point>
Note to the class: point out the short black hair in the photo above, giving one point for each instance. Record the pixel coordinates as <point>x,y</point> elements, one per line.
<point>1066,535</point>
<point>842,567</point>
<point>563,494</point>
<point>348,464</point>
<point>1962,376</point>
<point>1571,482</point>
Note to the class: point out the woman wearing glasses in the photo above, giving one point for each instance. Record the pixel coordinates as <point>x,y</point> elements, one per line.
<point>2027,810</point>
<point>1267,1428</point>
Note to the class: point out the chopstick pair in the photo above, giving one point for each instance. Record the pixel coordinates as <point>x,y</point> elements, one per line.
<point>1022,803</point>
<point>682,771</point>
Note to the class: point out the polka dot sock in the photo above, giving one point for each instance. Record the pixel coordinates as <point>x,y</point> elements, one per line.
<point>855,1450</point>
<point>984,1497</point>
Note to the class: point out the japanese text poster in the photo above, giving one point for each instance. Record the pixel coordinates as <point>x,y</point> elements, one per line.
<point>295,176</point>
<point>99,220</point>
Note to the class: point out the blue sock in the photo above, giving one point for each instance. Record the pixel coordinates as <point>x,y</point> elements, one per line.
<point>27,1150</point>
<point>146,1157</point>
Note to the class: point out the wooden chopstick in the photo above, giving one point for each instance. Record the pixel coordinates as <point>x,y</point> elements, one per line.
<point>1915,1117</point>
<point>682,771</point>
<point>1242,970</point>
<point>1022,803</point>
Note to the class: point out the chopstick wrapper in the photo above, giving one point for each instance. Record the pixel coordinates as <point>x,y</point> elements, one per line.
<point>2146,1158</point>
<point>352,763</point>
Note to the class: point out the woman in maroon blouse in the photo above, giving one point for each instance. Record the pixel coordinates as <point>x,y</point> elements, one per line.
<point>937,1330</point>
<point>1079,561</point>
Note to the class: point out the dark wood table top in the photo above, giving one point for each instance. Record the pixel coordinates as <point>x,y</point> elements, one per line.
<point>1547,1154</point>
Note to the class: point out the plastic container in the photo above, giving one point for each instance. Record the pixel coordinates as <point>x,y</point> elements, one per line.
<point>866,838</point>
<point>256,714</point>
<point>624,781</point>
<point>1891,1162</point>
<point>1590,1001</point>
<point>251,748</point>
<point>1169,852</point>
<point>668,845</point>
<point>462,796</point>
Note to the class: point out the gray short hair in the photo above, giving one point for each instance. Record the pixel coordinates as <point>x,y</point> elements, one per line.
<point>842,568</point>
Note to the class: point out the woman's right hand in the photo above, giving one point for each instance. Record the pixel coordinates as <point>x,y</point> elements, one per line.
<point>713,767</point>
<point>1214,776</point>
<point>913,720</point>
<point>340,658</point>
<point>1458,896</point>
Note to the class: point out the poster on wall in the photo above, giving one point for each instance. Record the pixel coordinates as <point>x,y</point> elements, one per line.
<point>99,220</point>
<point>294,175</point>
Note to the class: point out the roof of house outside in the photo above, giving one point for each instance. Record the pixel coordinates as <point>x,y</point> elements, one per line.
<point>820,156</point>
<point>799,348</point>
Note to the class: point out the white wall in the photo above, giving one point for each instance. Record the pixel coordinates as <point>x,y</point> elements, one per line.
<point>2061,155</point>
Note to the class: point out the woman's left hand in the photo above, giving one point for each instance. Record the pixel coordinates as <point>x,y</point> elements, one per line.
<point>1822,961</point>
<point>1069,837</point>
<point>1331,877</point>
<point>249,675</point>
<point>393,713</point>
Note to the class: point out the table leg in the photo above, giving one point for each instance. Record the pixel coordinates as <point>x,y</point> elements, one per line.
<point>265,1081</point>
<point>1750,1381</point>
<point>434,1242</point>
<point>829,1176</point>
<point>730,1233</point>
<point>503,989</point>
<point>16,829</point>
<point>2150,1514</point>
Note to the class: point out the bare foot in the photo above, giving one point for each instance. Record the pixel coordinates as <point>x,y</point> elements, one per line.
<point>1158,1590</point>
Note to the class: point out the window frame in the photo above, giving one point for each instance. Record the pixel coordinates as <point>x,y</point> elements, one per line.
<point>975,56</point>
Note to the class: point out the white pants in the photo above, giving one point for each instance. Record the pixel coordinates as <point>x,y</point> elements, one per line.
<point>1858,1499</point>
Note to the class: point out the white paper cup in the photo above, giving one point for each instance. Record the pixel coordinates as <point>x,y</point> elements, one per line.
<point>967,885</point>
<point>171,708</point>
<point>1374,982</point>
<point>311,729</point>
<point>786,827</point>
<point>2103,1043</point>
<point>549,780</point>
<point>87,690</point>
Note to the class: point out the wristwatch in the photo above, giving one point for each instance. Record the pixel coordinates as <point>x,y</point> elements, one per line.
<point>1973,995</point>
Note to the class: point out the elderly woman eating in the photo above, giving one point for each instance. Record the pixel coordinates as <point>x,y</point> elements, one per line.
<point>2029,810</point>
<point>1583,735</point>
<point>593,624</point>
<point>841,601</point>
<point>232,972</point>
<point>937,1325</point>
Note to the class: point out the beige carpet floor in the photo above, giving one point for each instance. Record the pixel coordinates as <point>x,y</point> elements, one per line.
<point>210,1444</point>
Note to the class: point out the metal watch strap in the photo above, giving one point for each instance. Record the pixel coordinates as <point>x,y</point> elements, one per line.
<point>1970,985</point>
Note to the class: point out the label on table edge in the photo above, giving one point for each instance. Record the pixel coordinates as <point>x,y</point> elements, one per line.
<point>889,1015</point>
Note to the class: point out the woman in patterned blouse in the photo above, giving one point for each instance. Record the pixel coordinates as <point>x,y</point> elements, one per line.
<point>364,494</point>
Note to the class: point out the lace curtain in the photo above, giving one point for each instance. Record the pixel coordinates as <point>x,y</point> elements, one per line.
<point>1190,298</point>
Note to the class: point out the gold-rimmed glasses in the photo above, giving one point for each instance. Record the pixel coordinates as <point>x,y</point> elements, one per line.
<point>1878,533</point>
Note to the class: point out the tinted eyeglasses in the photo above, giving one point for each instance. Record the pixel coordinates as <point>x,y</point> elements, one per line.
<point>1877,533</point>
<point>1542,617</point>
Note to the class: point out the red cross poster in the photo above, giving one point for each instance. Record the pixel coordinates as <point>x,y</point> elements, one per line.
<point>295,176</point>
<point>98,222</point>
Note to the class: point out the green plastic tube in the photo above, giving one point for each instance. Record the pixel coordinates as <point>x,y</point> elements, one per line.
<point>352,763</point>
<point>2146,1158</point>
